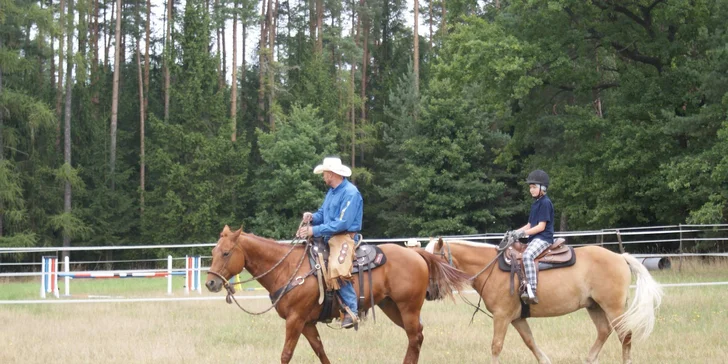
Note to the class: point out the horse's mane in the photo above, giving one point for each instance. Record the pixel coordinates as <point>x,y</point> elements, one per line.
<point>431,245</point>
<point>272,242</point>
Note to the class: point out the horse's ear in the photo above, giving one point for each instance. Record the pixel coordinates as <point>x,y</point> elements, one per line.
<point>226,229</point>
<point>236,234</point>
<point>439,243</point>
<point>241,227</point>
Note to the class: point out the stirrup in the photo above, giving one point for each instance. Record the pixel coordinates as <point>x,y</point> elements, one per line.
<point>350,321</point>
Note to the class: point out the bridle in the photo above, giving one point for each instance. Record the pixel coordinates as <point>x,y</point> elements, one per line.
<point>230,287</point>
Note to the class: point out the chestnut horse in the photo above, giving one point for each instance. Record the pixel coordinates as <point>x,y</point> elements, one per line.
<point>598,281</point>
<point>399,286</point>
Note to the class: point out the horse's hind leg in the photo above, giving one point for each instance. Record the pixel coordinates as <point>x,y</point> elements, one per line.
<point>603,330</point>
<point>413,328</point>
<point>611,313</point>
<point>392,311</point>
<point>410,322</point>
<point>524,330</point>
<point>312,335</point>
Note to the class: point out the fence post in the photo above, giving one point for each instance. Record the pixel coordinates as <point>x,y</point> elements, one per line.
<point>198,260</point>
<point>67,279</point>
<point>169,275</point>
<point>679,266</point>
<point>42,277</point>
<point>619,239</point>
<point>188,276</point>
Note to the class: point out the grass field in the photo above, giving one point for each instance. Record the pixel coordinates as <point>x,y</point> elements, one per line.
<point>692,327</point>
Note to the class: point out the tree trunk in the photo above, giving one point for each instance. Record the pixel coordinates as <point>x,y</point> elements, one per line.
<point>146,61</point>
<point>167,56</point>
<point>352,111</point>
<point>365,60</point>
<point>444,19</point>
<point>272,14</point>
<point>234,86</point>
<point>430,10</point>
<point>83,30</point>
<point>122,47</point>
<point>312,20</point>
<point>53,62</point>
<point>59,92</point>
<point>95,53</point>
<point>2,126</point>
<point>224,53</point>
<point>142,117</point>
<point>243,103</point>
<point>417,48</point>
<point>115,93</point>
<point>107,39</point>
<point>319,25</point>
<point>220,59</point>
<point>67,126</point>
<point>261,66</point>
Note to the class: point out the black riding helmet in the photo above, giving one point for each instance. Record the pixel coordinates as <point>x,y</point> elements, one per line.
<point>538,177</point>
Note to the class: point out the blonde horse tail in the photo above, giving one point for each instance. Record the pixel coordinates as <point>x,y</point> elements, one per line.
<point>639,319</point>
<point>444,279</point>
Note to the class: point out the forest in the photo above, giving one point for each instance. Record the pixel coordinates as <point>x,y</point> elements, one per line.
<point>133,122</point>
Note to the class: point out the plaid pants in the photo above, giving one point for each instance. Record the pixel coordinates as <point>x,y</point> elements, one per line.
<point>535,247</point>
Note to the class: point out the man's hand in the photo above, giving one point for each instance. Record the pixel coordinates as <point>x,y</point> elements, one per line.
<point>307,217</point>
<point>304,232</point>
<point>519,234</point>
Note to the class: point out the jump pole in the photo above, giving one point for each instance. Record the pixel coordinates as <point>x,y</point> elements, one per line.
<point>49,276</point>
<point>192,274</point>
<point>169,275</point>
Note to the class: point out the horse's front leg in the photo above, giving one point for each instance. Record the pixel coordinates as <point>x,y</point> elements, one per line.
<point>312,335</point>
<point>500,326</point>
<point>294,326</point>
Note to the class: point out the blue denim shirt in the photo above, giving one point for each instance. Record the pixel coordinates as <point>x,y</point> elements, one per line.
<point>341,211</point>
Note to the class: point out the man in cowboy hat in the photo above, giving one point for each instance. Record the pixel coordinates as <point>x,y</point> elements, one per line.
<point>338,220</point>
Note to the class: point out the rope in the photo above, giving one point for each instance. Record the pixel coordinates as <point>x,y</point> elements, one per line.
<point>231,289</point>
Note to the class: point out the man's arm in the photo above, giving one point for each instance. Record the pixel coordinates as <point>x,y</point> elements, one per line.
<point>347,214</point>
<point>318,216</point>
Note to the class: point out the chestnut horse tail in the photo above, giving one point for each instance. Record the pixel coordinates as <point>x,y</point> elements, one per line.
<point>640,315</point>
<point>444,279</point>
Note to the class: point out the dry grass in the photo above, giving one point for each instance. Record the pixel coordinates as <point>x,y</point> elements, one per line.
<point>691,328</point>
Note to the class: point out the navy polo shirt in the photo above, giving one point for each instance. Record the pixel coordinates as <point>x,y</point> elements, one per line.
<point>542,210</point>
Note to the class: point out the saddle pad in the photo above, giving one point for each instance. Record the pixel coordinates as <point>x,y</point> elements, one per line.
<point>506,267</point>
<point>368,257</point>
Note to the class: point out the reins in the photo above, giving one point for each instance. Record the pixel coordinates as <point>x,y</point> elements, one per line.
<point>507,241</point>
<point>230,298</point>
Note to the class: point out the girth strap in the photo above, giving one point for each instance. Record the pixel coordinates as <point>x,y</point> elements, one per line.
<point>295,283</point>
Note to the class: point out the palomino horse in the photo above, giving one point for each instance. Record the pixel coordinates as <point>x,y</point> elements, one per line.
<point>399,286</point>
<point>598,281</point>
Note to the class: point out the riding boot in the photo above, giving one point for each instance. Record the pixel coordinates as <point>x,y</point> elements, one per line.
<point>350,320</point>
<point>525,292</point>
<point>532,297</point>
<point>348,296</point>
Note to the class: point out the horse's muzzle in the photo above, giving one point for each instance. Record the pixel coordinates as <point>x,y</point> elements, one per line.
<point>214,285</point>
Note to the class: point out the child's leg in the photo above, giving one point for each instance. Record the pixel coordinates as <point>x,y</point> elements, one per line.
<point>535,247</point>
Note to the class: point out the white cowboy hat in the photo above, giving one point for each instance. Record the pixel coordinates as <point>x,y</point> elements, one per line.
<point>333,164</point>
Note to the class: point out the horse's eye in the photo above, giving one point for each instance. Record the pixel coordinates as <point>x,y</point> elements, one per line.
<point>226,254</point>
